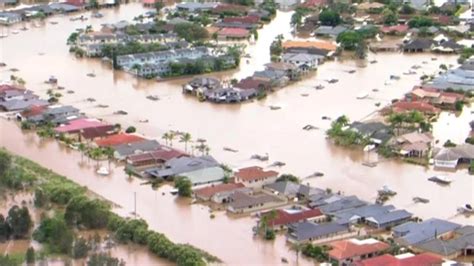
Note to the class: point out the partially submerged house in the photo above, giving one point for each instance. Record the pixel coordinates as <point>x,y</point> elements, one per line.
<point>450,157</point>
<point>293,191</point>
<point>233,34</point>
<point>213,192</point>
<point>413,233</point>
<point>87,128</point>
<point>56,115</point>
<point>152,159</point>
<point>246,202</point>
<point>414,144</point>
<point>406,259</point>
<point>255,176</point>
<point>118,139</point>
<point>284,217</point>
<point>418,46</point>
<point>377,132</point>
<point>199,170</point>
<point>373,215</point>
<point>459,243</point>
<point>329,31</point>
<point>304,61</point>
<point>458,78</point>
<point>317,233</point>
<point>122,151</point>
<point>347,252</point>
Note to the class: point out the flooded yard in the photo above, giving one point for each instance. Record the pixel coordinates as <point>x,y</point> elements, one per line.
<point>251,128</point>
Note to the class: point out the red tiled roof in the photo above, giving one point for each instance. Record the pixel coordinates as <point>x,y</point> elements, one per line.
<point>6,87</point>
<point>403,106</point>
<point>244,20</point>
<point>121,138</point>
<point>234,32</point>
<point>250,83</point>
<point>424,259</point>
<point>78,125</point>
<point>284,218</point>
<point>163,153</point>
<point>33,110</point>
<point>210,191</point>
<point>314,3</point>
<point>397,28</point>
<point>254,173</point>
<point>345,249</point>
<point>98,132</point>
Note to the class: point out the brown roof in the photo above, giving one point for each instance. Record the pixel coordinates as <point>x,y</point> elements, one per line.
<point>98,132</point>
<point>283,217</point>
<point>234,32</point>
<point>403,106</point>
<point>254,173</point>
<point>345,249</point>
<point>210,191</point>
<point>251,83</point>
<point>244,20</point>
<point>310,44</point>
<point>163,153</point>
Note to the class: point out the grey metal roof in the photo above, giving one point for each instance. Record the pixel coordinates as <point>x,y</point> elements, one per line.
<point>352,215</point>
<point>241,200</point>
<point>344,203</point>
<point>64,6</point>
<point>413,233</point>
<point>463,239</point>
<point>328,30</point>
<point>291,189</point>
<point>17,105</point>
<point>131,148</point>
<point>181,165</point>
<point>307,230</point>
<point>390,217</point>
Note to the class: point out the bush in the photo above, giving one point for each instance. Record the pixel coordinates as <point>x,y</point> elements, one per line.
<point>288,177</point>
<point>459,105</point>
<point>55,233</point>
<point>131,129</point>
<point>30,255</point>
<point>470,140</point>
<point>92,214</point>
<point>329,17</point>
<point>316,252</point>
<point>184,186</point>
<point>269,234</point>
<point>80,249</point>
<point>449,144</point>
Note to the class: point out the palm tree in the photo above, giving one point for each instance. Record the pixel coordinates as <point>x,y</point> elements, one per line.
<point>166,137</point>
<point>171,137</point>
<point>96,153</point>
<point>297,247</point>
<point>109,152</point>
<point>186,137</point>
<point>82,149</point>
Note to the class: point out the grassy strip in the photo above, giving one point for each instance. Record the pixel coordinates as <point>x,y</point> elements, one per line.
<point>83,212</point>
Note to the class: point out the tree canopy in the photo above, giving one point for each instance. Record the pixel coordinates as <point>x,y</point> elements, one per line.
<point>329,17</point>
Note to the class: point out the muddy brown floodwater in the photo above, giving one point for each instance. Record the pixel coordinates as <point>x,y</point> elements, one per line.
<point>250,128</point>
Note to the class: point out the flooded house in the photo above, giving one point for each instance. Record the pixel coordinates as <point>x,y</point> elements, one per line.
<point>418,46</point>
<point>215,193</point>
<point>405,259</point>
<point>410,106</point>
<point>329,31</point>
<point>56,114</point>
<point>323,48</point>
<point>199,170</point>
<point>276,78</point>
<point>412,233</point>
<point>138,163</point>
<point>293,191</point>
<point>226,34</point>
<point>117,139</point>
<point>304,61</point>
<point>255,176</point>
<point>413,144</point>
<point>292,71</point>
<point>317,233</point>
<point>85,128</point>
<point>18,99</point>
<point>9,18</point>
<point>122,151</point>
<point>436,97</point>
<point>377,132</point>
<point>350,251</point>
<point>286,216</point>
<point>458,244</point>
<point>253,201</point>
<point>450,157</point>
<point>195,7</point>
<point>458,78</point>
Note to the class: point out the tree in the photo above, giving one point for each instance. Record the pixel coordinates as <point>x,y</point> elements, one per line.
<point>166,137</point>
<point>361,50</point>
<point>82,211</point>
<point>186,138</point>
<point>288,177</point>
<point>82,148</point>
<point>171,137</point>
<point>19,221</point>
<point>103,259</point>
<point>55,233</point>
<point>158,6</point>
<point>96,154</point>
<point>5,162</point>
<point>72,39</point>
<point>184,186</point>
<point>4,229</point>
<point>136,68</point>
<point>40,199</point>
<point>389,17</point>
<point>349,40</point>
<point>407,9</point>
<point>80,249</point>
<point>420,22</point>
<point>130,129</point>
<point>109,152</point>
<point>329,17</point>
<point>443,67</point>
<point>30,256</point>
<point>191,32</point>
<point>94,4</point>
<point>458,106</point>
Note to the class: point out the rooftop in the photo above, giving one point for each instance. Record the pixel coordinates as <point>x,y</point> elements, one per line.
<point>284,217</point>
<point>413,233</point>
<point>346,249</point>
<point>121,138</point>
<point>423,259</point>
<point>78,125</point>
<point>254,173</point>
<point>310,44</point>
<point>210,191</point>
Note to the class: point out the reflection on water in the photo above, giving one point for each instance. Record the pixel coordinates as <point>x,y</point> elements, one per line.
<point>250,128</point>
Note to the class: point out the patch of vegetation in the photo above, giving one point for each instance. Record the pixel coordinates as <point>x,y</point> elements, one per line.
<point>288,177</point>
<point>329,17</point>
<point>449,144</point>
<point>319,253</point>
<point>184,186</point>
<point>344,136</point>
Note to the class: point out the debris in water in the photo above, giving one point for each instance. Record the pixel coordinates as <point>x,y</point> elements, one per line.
<point>309,127</point>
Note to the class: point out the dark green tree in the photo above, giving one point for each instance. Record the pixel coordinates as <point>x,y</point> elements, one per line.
<point>19,221</point>
<point>30,256</point>
<point>184,186</point>
<point>329,17</point>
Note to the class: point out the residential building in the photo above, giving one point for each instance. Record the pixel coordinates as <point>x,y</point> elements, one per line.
<point>152,159</point>
<point>406,259</point>
<point>293,191</point>
<point>317,233</point>
<point>459,243</point>
<point>347,252</point>
<point>276,78</point>
<point>76,128</point>
<point>199,170</point>
<point>255,176</point>
<point>291,70</point>
<point>450,157</point>
<point>233,34</point>
<point>418,45</point>
<point>208,193</point>
<point>122,151</point>
<point>304,61</point>
<point>377,132</point>
<point>459,78</point>
<point>373,215</point>
<point>406,106</point>
<point>329,203</point>
<point>284,217</point>
<point>118,139</point>
<point>9,18</point>
<point>412,233</point>
<point>241,202</point>
<point>400,29</point>
<point>435,97</point>
<point>193,7</point>
<point>56,114</point>
<point>313,47</point>
<point>414,144</point>
<point>329,31</point>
